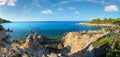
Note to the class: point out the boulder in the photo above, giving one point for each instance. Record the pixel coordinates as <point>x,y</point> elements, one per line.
<point>79,42</point>
<point>32,43</point>
<point>3,34</point>
<point>42,39</point>
<point>53,55</point>
<point>1,28</point>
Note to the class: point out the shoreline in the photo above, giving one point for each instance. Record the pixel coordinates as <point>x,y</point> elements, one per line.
<point>88,24</point>
<point>72,44</point>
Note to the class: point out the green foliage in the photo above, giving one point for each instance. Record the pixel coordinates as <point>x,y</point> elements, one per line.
<point>114,44</point>
<point>1,43</point>
<point>101,42</point>
<point>97,21</point>
<point>104,21</point>
<point>114,50</point>
<point>27,54</point>
<point>17,54</point>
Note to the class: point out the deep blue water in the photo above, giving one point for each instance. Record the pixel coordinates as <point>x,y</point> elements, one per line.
<point>51,29</point>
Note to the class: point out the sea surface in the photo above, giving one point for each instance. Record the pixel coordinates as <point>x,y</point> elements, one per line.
<point>51,29</point>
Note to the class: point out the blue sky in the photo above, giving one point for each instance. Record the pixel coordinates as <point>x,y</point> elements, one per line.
<point>58,10</point>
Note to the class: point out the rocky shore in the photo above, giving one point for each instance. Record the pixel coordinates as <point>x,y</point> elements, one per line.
<point>89,24</point>
<point>72,44</point>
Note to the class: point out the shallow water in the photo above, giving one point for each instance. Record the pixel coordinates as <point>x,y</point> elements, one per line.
<point>51,29</point>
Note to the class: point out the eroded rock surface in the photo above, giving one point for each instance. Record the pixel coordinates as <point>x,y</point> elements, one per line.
<point>79,41</point>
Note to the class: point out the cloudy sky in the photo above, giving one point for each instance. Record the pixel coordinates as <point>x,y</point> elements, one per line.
<point>58,10</point>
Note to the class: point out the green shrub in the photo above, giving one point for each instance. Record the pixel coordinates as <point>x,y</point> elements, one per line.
<point>1,43</point>
<point>27,54</point>
<point>114,45</point>
<point>104,21</point>
<point>17,54</point>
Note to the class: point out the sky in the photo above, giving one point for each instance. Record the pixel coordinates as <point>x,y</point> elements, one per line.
<point>58,10</point>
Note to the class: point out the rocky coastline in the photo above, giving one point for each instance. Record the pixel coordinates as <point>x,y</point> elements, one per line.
<point>72,44</point>
<point>89,24</point>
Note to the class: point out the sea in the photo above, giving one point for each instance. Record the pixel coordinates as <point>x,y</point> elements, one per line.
<point>51,29</point>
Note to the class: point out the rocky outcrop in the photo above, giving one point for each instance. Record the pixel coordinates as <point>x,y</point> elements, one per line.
<point>1,28</point>
<point>32,42</point>
<point>78,41</point>
<point>3,34</point>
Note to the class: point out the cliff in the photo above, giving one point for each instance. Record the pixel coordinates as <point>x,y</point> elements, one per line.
<point>80,42</point>
<point>90,43</point>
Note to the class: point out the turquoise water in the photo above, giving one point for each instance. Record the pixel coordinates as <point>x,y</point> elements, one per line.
<point>51,29</point>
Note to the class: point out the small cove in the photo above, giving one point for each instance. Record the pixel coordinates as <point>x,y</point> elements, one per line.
<point>51,29</point>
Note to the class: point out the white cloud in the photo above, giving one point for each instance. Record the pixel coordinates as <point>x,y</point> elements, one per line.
<point>94,1</point>
<point>12,2</point>
<point>48,11</point>
<point>60,9</point>
<point>8,2</point>
<point>36,3</point>
<point>2,2</point>
<point>60,3</point>
<point>111,8</point>
<point>71,1</point>
<point>77,12</point>
<point>29,7</point>
<point>0,11</point>
<point>71,8</point>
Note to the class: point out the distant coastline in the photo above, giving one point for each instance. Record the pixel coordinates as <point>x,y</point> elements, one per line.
<point>100,22</point>
<point>4,21</point>
<point>89,24</point>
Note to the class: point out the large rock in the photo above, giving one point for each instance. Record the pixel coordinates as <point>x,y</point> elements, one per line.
<point>42,39</point>
<point>1,28</point>
<point>79,42</point>
<point>3,34</point>
<point>32,43</point>
<point>75,41</point>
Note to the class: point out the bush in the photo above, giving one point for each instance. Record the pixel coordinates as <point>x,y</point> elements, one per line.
<point>104,21</point>
<point>27,54</point>
<point>1,43</point>
<point>114,45</point>
<point>17,54</point>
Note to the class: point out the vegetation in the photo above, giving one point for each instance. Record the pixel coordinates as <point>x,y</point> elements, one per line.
<point>1,43</point>
<point>104,21</point>
<point>27,54</point>
<point>17,54</point>
<point>4,21</point>
<point>113,42</point>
